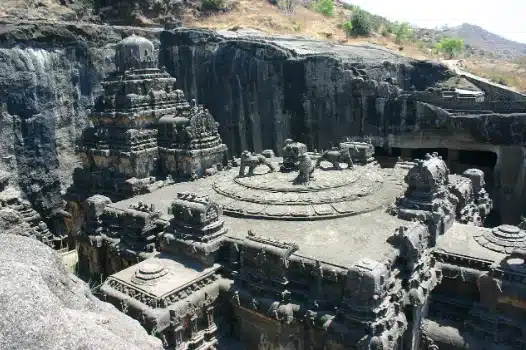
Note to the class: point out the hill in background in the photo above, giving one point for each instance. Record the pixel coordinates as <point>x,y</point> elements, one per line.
<point>486,54</point>
<point>478,41</point>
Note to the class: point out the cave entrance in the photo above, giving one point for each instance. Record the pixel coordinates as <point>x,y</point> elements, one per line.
<point>420,153</point>
<point>387,157</point>
<point>461,160</point>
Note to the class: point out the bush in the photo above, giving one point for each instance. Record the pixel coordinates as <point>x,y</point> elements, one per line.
<point>450,46</point>
<point>212,5</point>
<point>361,23</point>
<point>385,32</point>
<point>325,7</point>
<point>347,28</point>
<point>402,32</point>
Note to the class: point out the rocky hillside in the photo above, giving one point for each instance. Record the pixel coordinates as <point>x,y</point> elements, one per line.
<point>481,42</point>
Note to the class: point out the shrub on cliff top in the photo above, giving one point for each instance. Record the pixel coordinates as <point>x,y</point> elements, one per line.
<point>450,46</point>
<point>347,28</point>
<point>325,7</point>
<point>361,23</point>
<point>212,5</point>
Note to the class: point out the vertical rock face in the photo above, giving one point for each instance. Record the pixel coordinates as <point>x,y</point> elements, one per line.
<point>264,90</point>
<point>50,76</point>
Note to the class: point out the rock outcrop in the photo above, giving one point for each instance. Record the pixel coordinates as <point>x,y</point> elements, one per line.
<point>44,307</point>
<point>262,90</point>
<point>51,75</point>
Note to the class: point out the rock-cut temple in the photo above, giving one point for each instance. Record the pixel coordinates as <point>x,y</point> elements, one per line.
<point>305,250</point>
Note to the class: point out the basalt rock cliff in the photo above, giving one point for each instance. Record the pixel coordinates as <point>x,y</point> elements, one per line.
<point>49,78</point>
<point>260,89</point>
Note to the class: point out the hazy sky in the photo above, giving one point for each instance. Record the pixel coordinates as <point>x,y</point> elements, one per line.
<point>506,18</point>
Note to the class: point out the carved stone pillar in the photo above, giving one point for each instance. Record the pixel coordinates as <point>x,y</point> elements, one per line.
<point>193,326</point>
<point>177,331</point>
<point>509,189</point>
<point>209,311</point>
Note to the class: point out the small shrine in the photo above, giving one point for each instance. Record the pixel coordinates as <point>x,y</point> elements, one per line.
<point>196,228</point>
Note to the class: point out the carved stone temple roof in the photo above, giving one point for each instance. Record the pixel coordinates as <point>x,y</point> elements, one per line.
<point>160,282</point>
<point>489,244</point>
<point>135,52</point>
<point>138,93</point>
<point>349,205</point>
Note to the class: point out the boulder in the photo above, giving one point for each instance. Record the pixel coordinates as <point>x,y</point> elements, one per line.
<point>42,306</point>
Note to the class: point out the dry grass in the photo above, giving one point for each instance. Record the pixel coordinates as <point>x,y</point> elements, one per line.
<point>506,73</point>
<point>33,9</point>
<point>260,15</point>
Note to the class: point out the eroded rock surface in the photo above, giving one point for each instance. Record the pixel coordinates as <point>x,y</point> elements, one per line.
<point>51,75</point>
<point>44,307</point>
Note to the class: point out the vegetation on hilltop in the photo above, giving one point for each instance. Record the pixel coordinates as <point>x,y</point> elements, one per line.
<point>322,19</point>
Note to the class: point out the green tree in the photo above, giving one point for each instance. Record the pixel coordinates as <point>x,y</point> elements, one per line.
<point>325,7</point>
<point>450,46</point>
<point>212,5</point>
<point>402,32</point>
<point>347,28</point>
<point>361,23</point>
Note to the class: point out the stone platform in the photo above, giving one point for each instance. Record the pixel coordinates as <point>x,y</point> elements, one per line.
<point>340,240</point>
<point>330,194</point>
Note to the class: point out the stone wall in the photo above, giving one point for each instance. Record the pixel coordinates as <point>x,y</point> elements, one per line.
<point>495,92</point>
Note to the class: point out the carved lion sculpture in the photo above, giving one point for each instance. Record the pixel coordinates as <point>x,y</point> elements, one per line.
<point>336,156</point>
<point>306,168</point>
<point>252,161</point>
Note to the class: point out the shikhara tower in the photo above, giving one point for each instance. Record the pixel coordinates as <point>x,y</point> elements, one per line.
<point>144,129</point>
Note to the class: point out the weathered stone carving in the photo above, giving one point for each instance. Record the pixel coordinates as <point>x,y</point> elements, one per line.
<point>504,238</point>
<point>427,198</point>
<point>143,128</point>
<point>305,169</point>
<point>252,160</point>
<point>361,152</point>
<point>291,153</point>
<point>336,156</point>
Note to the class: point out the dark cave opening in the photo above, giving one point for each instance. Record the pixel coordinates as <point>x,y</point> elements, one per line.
<point>492,219</point>
<point>483,160</point>
<point>458,161</point>
<point>420,153</point>
<point>387,157</point>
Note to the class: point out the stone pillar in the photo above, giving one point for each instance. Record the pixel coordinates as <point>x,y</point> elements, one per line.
<point>364,114</point>
<point>209,311</point>
<point>193,326</point>
<point>177,331</point>
<point>509,183</point>
<point>403,115</point>
<point>452,159</point>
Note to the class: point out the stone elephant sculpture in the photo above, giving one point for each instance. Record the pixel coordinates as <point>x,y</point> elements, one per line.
<point>336,156</point>
<point>252,161</point>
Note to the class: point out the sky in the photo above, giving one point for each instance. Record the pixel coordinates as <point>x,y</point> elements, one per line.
<point>506,18</point>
